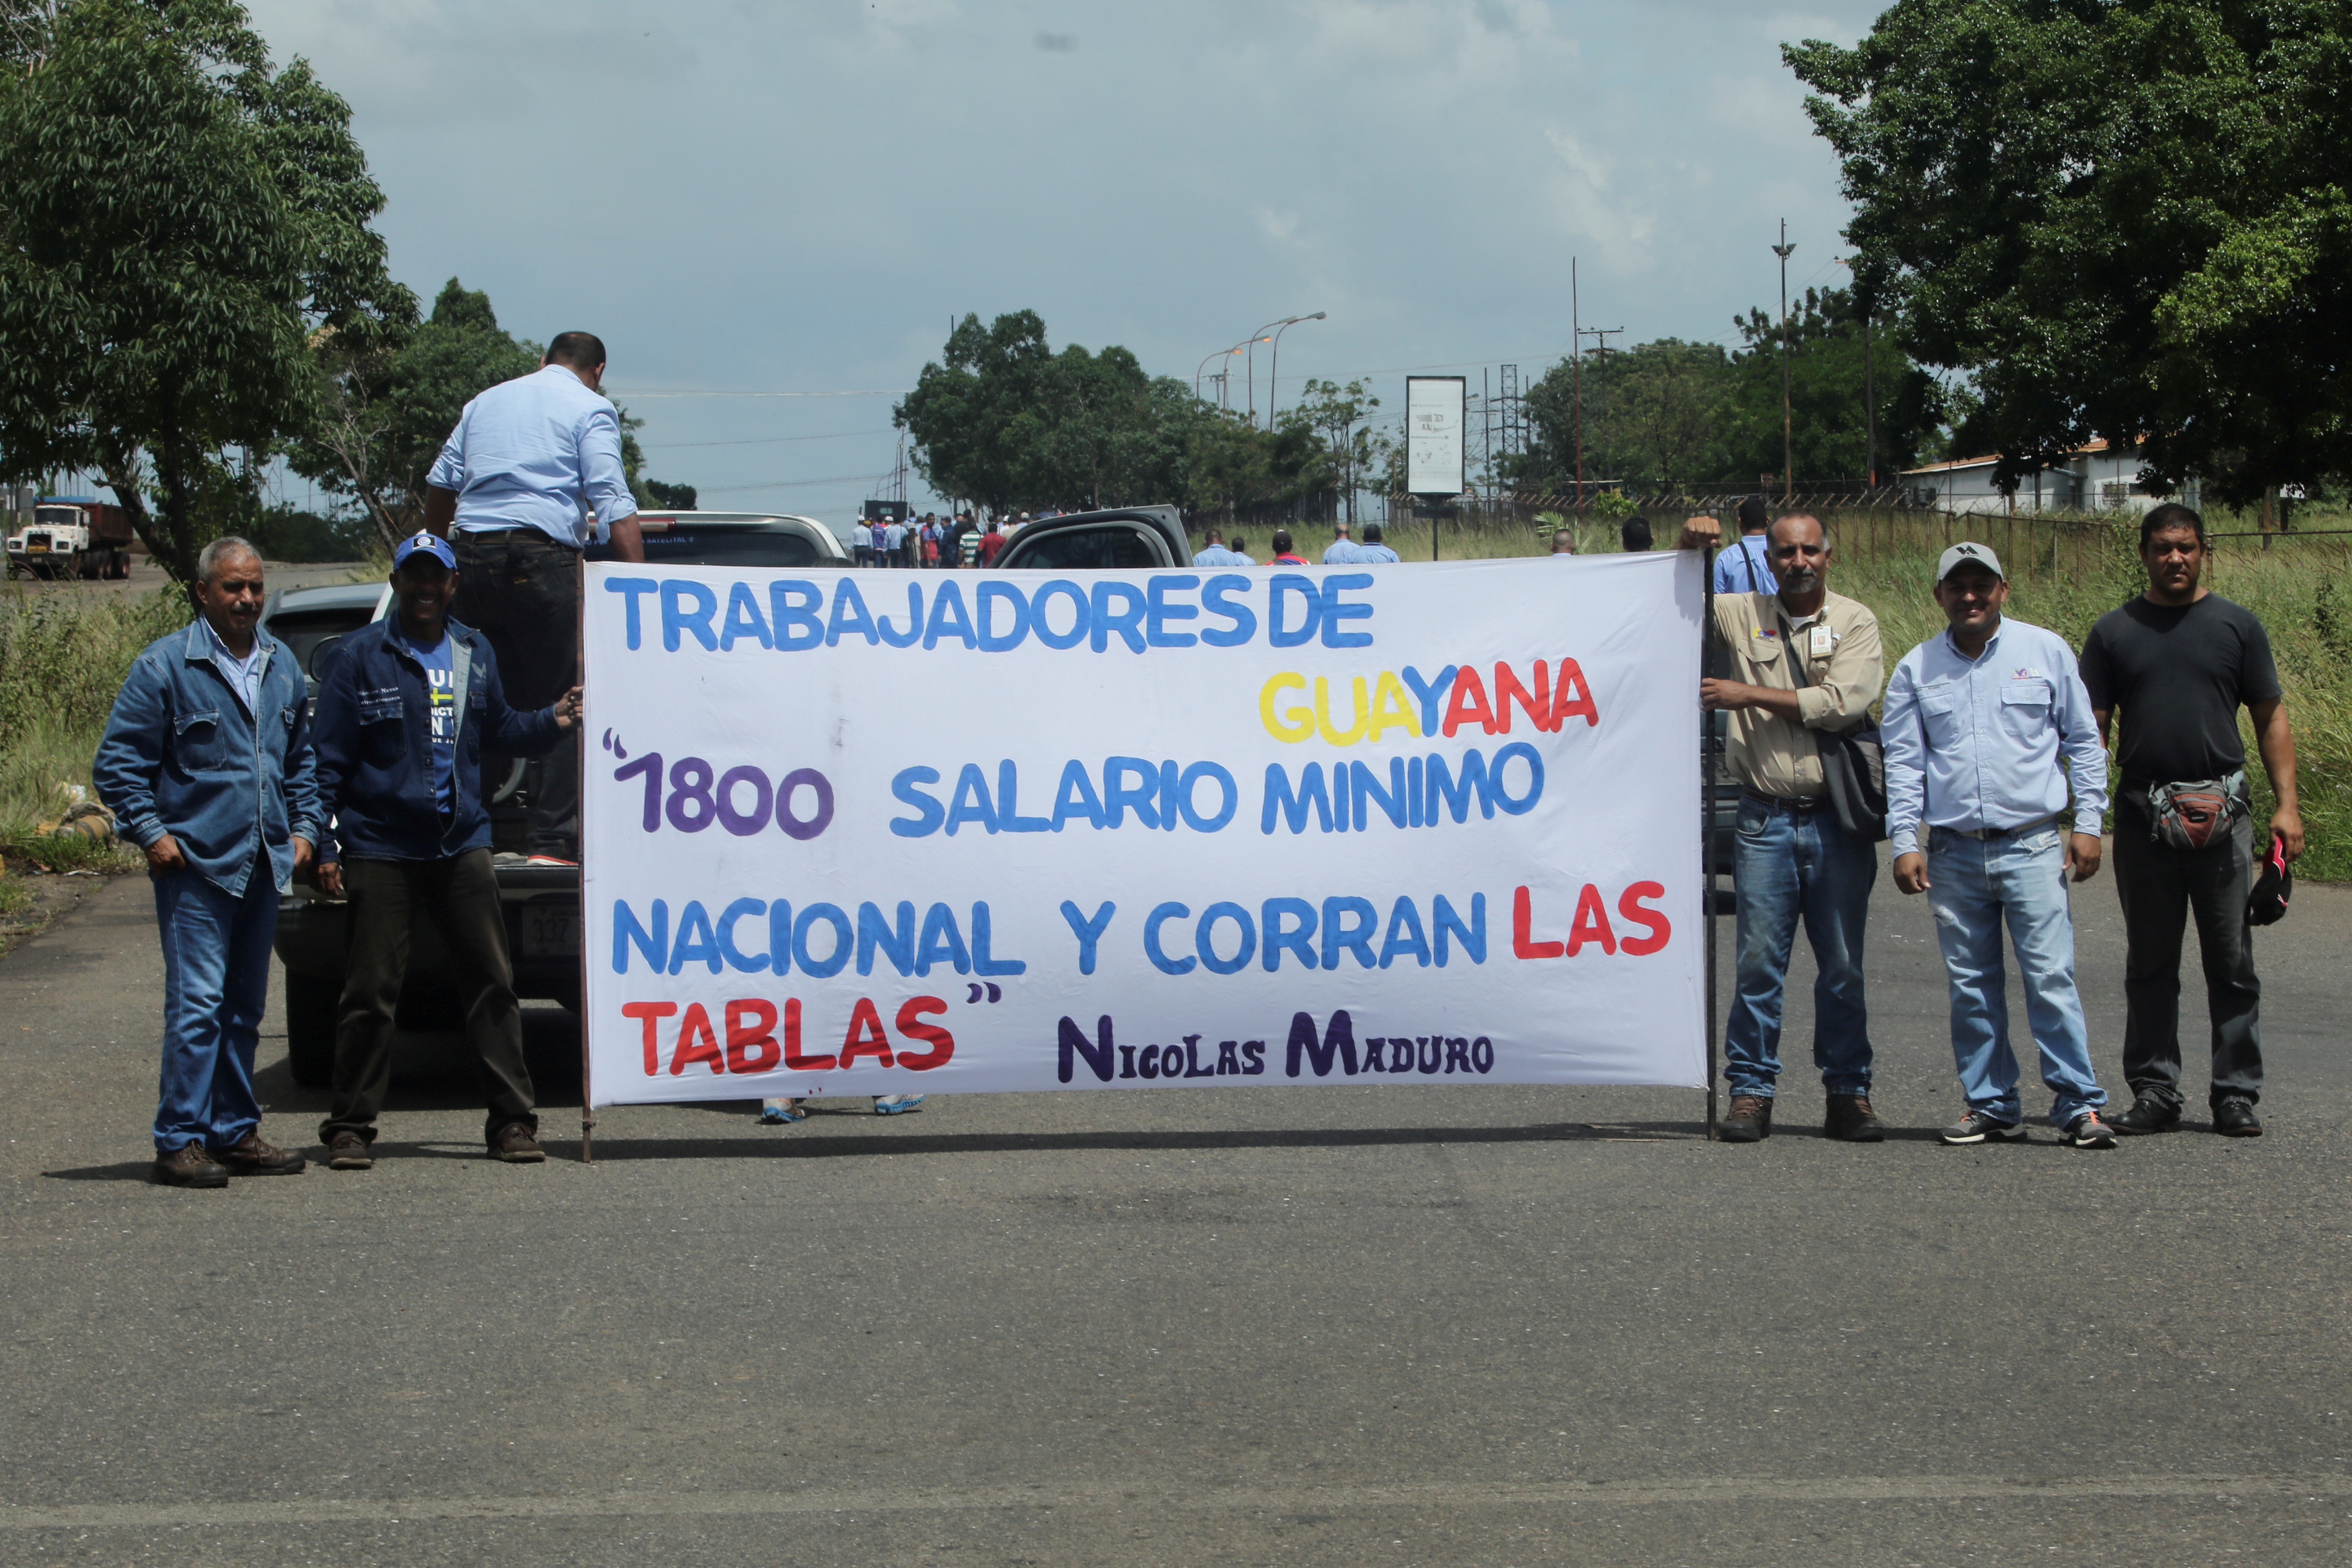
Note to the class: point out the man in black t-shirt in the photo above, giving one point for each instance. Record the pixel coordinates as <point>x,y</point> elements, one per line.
<point>2175,664</point>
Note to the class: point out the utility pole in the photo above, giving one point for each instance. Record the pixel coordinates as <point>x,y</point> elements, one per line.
<point>1576,377</point>
<point>1869,398</point>
<point>1788,440</point>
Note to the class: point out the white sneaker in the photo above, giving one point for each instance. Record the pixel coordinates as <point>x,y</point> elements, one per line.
<point>781,1113</point>
<point>897,1104</point>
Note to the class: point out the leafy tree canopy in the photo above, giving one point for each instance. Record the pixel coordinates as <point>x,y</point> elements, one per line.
<point>383,410</point>
<point>177,220</point>
<point>1007,422</point>
<point>2124,218</point>
<point>1671,414</point>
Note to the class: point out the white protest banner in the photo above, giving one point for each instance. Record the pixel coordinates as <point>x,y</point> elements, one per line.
<point>875,832</point>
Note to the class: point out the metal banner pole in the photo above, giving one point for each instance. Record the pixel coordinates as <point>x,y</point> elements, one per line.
<point>1709,772</point>
<point>579,733</point>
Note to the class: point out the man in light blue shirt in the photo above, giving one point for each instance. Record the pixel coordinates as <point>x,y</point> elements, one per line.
<point>1986,725</point>
<point>1372,552</point>
<point>1342,550</point>
<point>1746,566</point>
<point>1215,552</point>
<point>529,480</point>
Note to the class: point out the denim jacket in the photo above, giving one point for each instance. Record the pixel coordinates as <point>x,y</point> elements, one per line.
<point>183,756</point>
<point>375,735</point>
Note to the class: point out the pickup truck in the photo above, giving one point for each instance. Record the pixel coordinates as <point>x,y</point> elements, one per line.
<point>540,903</point>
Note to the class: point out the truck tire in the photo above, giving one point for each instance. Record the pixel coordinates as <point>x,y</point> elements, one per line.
<point>311,1005</point>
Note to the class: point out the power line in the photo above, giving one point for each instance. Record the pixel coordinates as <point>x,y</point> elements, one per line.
<point>892,392</point>
<point>785,484</point>
<point>758,441</point>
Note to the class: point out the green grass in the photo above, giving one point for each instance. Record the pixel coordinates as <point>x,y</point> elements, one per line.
<point>63,654</point>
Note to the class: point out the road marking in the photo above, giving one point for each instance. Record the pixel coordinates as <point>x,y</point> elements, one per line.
<point>1497,1494</point>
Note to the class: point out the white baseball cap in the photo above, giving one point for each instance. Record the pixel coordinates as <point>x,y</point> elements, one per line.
<point>1968,552</point>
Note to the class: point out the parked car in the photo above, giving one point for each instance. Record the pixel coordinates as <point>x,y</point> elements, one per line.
<point>309,621</point>
<point>1138,539</point>
<point>540,903</point>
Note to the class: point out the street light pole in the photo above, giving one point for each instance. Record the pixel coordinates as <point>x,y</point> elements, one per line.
<point>1271,395</point>
<point>1787,442</point>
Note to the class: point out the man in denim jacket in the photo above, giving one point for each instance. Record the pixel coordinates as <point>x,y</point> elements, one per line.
<point>206,766</point>
<point>407,706</point>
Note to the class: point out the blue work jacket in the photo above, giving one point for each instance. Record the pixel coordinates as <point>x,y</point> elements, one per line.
<point>183,756</point>
<point>374,735</point>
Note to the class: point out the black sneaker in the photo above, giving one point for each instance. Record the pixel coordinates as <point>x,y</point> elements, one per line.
<point>1850,1118</point>
<point>349,1151</point>
<point>2089,1131</point>
<point>1977,1127</point>
<point>2148,1114</point>
<point>1751,1121</point>
<point>2235,1117</point>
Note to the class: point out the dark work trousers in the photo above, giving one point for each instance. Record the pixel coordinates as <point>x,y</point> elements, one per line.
<point>2160,886</point>
<point>460,896</point>
<point>521,589</point>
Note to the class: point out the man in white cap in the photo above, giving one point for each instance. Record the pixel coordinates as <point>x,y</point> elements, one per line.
<point>1985,726</point>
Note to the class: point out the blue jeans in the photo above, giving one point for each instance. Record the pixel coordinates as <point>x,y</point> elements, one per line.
<point>1789,864</point>
<point>1973,886</point>
<point>215,978</point>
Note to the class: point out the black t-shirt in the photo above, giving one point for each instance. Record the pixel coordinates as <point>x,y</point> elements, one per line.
<point>2175,677</point>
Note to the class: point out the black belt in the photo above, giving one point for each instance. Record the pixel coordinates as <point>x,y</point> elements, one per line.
<point>477,535</point>
<point>1798,804</point>
<point>1986,834</point>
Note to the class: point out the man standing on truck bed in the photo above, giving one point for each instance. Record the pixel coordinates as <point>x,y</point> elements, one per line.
<point>530,477</point>
<point>206,763</point>
<point>406,706</point>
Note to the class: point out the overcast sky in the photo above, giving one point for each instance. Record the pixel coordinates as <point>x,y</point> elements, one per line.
<point>746,197</point>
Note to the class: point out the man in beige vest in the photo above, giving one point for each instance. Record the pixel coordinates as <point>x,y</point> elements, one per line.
<point>1799,660</point>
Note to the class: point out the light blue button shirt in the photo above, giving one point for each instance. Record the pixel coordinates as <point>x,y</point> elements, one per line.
<point>540,451</point>
<point>1218,555</point>
<point>1974,743</point>
<point>243,674</point>
<point>1372,556</point>
<point>1340,553</point>
<point>1745,566</point>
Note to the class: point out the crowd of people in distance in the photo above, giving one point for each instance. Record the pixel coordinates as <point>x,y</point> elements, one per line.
<point>964,540</point>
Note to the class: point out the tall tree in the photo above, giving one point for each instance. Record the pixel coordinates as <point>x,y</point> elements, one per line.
<point>177,220</point>
<point>1351,451</point>
<point>383,411</point>
<point>1830,416</point>
<point>2124,218</point>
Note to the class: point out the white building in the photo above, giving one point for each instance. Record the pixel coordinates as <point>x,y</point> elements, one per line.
<point>2095,477</point>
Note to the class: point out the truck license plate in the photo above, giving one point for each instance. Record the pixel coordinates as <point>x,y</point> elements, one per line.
<point>549,933</point>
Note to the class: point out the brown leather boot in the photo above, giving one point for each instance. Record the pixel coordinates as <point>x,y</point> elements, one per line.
<point>516,1146</point>
<point>1751,1121</point>
<point>252,1155</point>
<point>1850,1118</point>
<point>190,1167</point>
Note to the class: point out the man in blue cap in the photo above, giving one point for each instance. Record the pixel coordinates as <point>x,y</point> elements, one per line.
<point>406,707</point>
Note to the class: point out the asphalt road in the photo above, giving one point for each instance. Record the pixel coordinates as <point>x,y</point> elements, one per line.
<point>1342,1326</point>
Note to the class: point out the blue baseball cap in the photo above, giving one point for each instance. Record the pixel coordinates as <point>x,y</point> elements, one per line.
<point>430,542</point>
